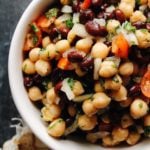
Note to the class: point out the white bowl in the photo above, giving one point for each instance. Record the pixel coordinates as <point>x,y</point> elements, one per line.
<point>27,110</point>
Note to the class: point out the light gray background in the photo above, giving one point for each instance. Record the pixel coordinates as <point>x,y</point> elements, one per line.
<point>10,12</point>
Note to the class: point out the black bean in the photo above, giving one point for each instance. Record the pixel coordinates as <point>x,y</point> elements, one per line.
<point>105,127</point>
<point>97,3</point>
<point>75,56</point>
<point>86,15</point>
<point>54,32</point>
<point>28,82</point>
<point>37,79</point>
<point>87,63</point>
<point>139,24</point>
<point>119,15</point>
<point>113,1</point>
<point>135,90</point>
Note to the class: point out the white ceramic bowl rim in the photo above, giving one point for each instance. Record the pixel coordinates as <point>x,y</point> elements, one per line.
<point>27,110</point>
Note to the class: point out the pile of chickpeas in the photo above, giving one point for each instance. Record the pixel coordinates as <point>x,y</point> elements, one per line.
<point>116,110</point>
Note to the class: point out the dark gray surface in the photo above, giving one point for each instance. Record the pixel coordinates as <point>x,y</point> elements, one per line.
<point>10,12</point>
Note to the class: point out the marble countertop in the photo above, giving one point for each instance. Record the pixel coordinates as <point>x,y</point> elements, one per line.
<point>10,12</point>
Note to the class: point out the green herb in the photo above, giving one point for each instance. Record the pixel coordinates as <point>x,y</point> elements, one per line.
<point>42,49</point>
<point>45,83</point>
<point>34,27</point>
<point>147,131</point>
<point>55,123</point>
<point>69,23</point>
<point>115,79</point>
<point>35,39</point>
<point>148,20</point>
<point>102,82</point>
<point>71,82</point>
<point>128,26</point>
<point>140,105</point>
<point>51,13</point>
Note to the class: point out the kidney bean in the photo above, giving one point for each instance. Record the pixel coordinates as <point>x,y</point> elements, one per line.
<point>100,15</point>
<point>87,63</point>
<point>97,3</point>
<point>110,15</point>
<point>92,28</point>
<point>75,56</point>
<point>148,26</point>
<point>69,121</point>
<point>135,90</point>
<point>119,15</point>
<point>76,5</point>
<point>64,31</point>
<point>102,31</point>
<point>105,127</point>
<point>139,24</point>
<point>58,86</point>
<point>54,33</point>
<point>86,15</point>
<point>28,82</point>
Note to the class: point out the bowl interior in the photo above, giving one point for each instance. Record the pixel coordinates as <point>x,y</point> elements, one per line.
<point>27,110</point>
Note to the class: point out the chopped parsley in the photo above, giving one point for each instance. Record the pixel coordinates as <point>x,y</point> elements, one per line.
<point>71,82</point>
<point>144,30</point>
<point>45,83</point>
<point>69,23</point>
<point>51,13</point>
<point>147,131</point>
<point>128,26</point>
<point>35,39</point>
<point>34,27</point>
<point>140,105</point>
<point>138,2</point>
<point>102,82</point>
<point>24,67</point>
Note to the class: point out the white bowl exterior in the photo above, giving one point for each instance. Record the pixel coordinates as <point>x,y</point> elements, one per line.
<point>27,110</point>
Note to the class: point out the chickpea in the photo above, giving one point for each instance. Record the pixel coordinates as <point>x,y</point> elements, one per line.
<point>88,108</point>
<point>51,48</point>
<point>143,37</point>
<point>64,2</point>
<point>91,137</point>
<point>101,100</point>
<point>119,134</point>
<point>120,95</point>
<point>84,45</point>
<point>109,141</point>
<point>28,67</point>
<point>46,41</point>
<point>43,68</point>
<point>126,69</point>
<point>112,25</point>
<point>100,50</point>
<point>44,54</point>
<point>108,69</point>
<point>71,36</point>
<point>51,96</point>
<point>98,87</point>
<point>137,16</point>
<point>51,112</point>
<point>87,123</point>
<point>147,120</point>
<point>113,84</point>
<point>62,46</point>
<point>133,138</point>
<point>35,93</point>
<point>126,103</point>
<point>78,88</point>
<point>129,5</point>
<point>126,121</point>
<point>138,108</point>
<point>72,110</point>
<point>57,128</point>
<point>34,54</point>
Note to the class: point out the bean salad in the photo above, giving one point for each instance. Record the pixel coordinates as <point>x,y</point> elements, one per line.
<point>86,68</point>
